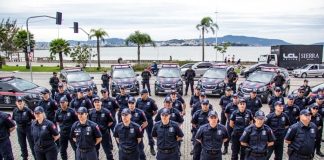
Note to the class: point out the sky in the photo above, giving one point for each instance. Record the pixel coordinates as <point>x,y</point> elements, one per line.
<point>295,21</point>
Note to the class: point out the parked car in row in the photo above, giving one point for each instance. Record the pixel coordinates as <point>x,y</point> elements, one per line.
<point>309,70</point>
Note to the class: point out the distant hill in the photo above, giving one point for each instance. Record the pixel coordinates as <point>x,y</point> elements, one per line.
<point>252,41</point>
<point>319,43</point>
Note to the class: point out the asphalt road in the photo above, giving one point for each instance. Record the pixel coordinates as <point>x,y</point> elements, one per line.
<point>42,79</point>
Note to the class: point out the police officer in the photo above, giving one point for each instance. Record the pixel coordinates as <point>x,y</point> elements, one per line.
<point>175,95</point>
<point>175,113</point>
<point>291,110</point>
<point>87,135</point>
<point>306,88</point>
<point>224,100</point>
<point>189,75</point>
<point>276,97</point>
<point>312,99</point>
<point>122,100</point>
<point>89,93</point>
<point>44,133</point>
<point>176,103</point>
<point>316,118</point>
<point>48,104</point>
<point>128,135</point>
<point>278,121</point>
<point>279,80</point>
<point>54,81</point>
<point>138,116</point>
<point>23,116</point>
<point>146,75</point>
<point>104,119</point>
<point>148,105</point>
<point>80,101</point>
<point>239,119</point>
<point>62,93</point>
<point>253,103</point>
<point>199,118</point>
<point>231,79</point>
<point>211,136</point>
<point>319,102</point>
<point>6,126</point>
<point>300,100</point>
<point>64,119</point>
<point>109,103</point>
<point>197,105</point>
<point>105,77</point>
<point>257,138</point>
<point>195,98</point>
<point>301,138</point>
<point>168,134</point>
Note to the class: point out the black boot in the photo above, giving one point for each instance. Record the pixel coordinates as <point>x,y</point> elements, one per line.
<point>319,153</point>
<point>152,151</point>
<point>225,151</point>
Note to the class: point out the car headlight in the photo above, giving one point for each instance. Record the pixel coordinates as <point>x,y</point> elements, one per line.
<point>179,83</point>
<point>221,84</point>
<point>157,82</point>
<point>70,88</point>
<point>262,89</point>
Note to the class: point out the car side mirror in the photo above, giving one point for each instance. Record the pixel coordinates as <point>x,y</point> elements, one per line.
<point>92,77</point>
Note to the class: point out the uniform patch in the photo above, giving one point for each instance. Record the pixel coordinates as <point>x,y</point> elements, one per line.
<point>43,127</point>
<point>283,119</point>
<point>136,115</point>
<point>312,130</point>
<point>68,114</point>
<point>294,109</point>
<point>173,115</point>
<point>24,113</point>
<point>264,132</point>
<point>171,129</point>
<point>148,103</point>
<point>88,129</point>
<point>109,103</point>
<point>131,130</point>
<point>102,115</point>
<point>219,132</point>
<point>318,118</point>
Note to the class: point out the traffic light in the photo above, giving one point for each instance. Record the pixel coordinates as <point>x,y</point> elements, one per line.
<point>76,27</point>
<point>58,18</point>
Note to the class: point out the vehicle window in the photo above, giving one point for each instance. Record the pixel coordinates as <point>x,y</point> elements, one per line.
<point>304,67</point>
<point>313,67</point>
<point>321,67</point>
<point>314,89</point>
<point>215,73</point>
<point>5,87</point>
<point>123,73</point>
<point>169,72</point>
<point>201,65</point>
<point>186,65</point>
<point>22,85</point>
<point>78,77</point>
<point>263,77</point>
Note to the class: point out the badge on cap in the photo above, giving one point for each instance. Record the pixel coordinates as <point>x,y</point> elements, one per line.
<point>171,129</point>
<point>131,130</point>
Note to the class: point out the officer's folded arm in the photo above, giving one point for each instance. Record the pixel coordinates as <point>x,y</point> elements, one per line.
<point>144,125</point>
<point>139,140</point>
<point>179,138</point>
<point>12,128</point>
<point>225,140</point>
<point>110,124</point>
<point>231,124</point>
<point>98,140</point>
<point>270,144</point>
<point>198,140</point>
<point>244,144</point>
<point>56,137</point>
<point>288,142</point>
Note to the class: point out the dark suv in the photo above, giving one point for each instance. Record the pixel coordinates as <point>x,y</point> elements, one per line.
<point>124,75</point>
<point>11,87</point>
<point>168,78</point>
<point>262,81</point>
<point>77,78</point>
<point>212,80</point>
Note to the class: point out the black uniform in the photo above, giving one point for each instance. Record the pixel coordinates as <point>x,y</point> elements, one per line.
<point>253,104</point>
<point>166,136</point>
<point>76,103</point>
<point>177,105</point>
<point>194,99</point>
<point>229,109</point>
<point>278,124</point>
<point>302,141</point>
<point>45,147</point>
<point>146,75</point>
<point>197,106</point>
<point>307,90</point>
<point>148,106</point>
<point>128,140</point>
<point>224,100</point>
<point>23,119</point>
<point>211,141</point>
<point>275,99</point>
<point>111,104</point>
<point>58,96</point>
<point>301,102</point>
<point>232,76</point>
<point>49,106</point>
<point>189,76</point>
<point>85,136</point>
<point>54,81</point>
<point>138,116</point>
<point>318,121</point>
<point>5,124</point>
<point>175,116</point>
<point>279,81</point>
<point>65,119</point>
<point>292,112</point>
<point>105,81</point>
<point>257,140</point>
<point>122,101</point>
<point>241,120</point>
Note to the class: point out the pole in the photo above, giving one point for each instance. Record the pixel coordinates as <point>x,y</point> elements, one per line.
<point>216,35</point>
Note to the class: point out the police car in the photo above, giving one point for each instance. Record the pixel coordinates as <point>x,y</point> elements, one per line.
<point>124,75</point>
<point>314,90</point>
<point>262,81</point>
<point>168,78</point>
<point>75,78</point>
<point>212,81</point>
<point>11,87</point>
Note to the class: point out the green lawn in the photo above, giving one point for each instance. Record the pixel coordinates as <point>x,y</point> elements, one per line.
<point>44,69</point>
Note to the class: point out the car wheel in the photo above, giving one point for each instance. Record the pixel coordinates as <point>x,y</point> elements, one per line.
<point>304,75</point>
<point>323,75</point>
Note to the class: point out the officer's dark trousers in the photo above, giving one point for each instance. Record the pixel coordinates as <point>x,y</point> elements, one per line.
<point>88,155</point>
<point>141,151</point>
<point>277,147</point>
<point>233,86</point>
<point>106,144</point>
<point>255,158</point>
<point>229,130</point>
<point>197,151</point>
<point>64,142</point>
<point>5,149</point>
<point>168,156</point>
<point>147,84</point>
<point>105,85</point>
<point>236,147</point>
<point>149,131</point>
<point>47,154</point>
<point>223,117</point>
<point>53,90</point>
<point>295,156</point>
<point>128,156</point>
<point>191,83</point>
<point>207,156</point>
<point>318,140</point>
<point>24,133</point>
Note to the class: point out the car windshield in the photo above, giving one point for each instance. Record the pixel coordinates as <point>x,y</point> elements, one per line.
<point>215,73</point>
<point>314,89</point>
<point>187,65</point>
<point>304,67</point>
<point>22,85</point>
<point>263,77</point>
<point>78,77</point>
<point>123,73</point>
<point>169,72</point>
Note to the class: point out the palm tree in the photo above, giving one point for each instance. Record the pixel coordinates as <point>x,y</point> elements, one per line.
<point>205,25</point>
<point>140,39</point>
<point>99,34</point>
<point>61,47</point>
<point>20,42</point>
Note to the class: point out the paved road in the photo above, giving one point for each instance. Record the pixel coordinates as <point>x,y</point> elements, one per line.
<point>43,78</point>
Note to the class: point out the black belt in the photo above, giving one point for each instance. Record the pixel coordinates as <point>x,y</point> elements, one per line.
<point>302,155</point>
<point>167,151</point>
<point>257,154</point>
<point>128,151</point>
<point>213,151</point>
<point>85,149</point>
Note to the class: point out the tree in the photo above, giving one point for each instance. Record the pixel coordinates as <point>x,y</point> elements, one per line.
<point>61,47</point>
<point>8,30</point>
<point>205,25</point>
<point>99,34</point>
<point>222,48</point>
<point>81,55</point>
<point>20,41</point>
<point>139,39</point>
